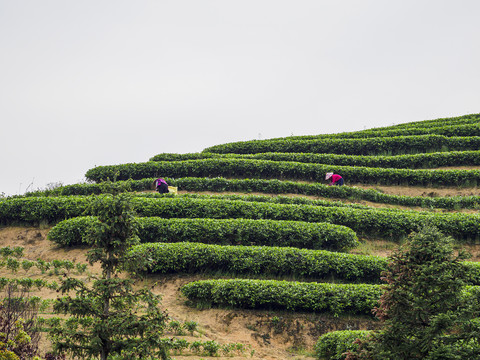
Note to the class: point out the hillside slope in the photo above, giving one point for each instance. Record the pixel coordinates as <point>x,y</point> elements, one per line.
<point>224,177</point>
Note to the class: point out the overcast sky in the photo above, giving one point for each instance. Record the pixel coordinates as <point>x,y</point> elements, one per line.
<point>86,83</point>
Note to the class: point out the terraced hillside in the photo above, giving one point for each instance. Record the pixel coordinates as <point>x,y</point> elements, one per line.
<point>256,247</point>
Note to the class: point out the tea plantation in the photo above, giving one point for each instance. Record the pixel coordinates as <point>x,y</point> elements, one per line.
<point>258,223</point>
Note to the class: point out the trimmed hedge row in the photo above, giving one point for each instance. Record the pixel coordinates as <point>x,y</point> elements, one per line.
<point>457,120</point>
<point>35,210</point>
<point>266,169</point>
<point>317,189</point>
<point>468,129</point>
<point>416,161</point>
<point>206,184</point>
<point>92,188</point>
<point>467,125</point>
<point>395,145</point>
<point>227,232</point>
<point>337,299</point>
<point>164,258</point>
<point>389,224</point>
<point>276,187</point>
<point>258,198</point>
<point>334,345</point>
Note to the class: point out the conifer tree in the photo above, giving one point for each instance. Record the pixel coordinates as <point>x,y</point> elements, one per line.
<point>108,318</point>
<point>427,313</point>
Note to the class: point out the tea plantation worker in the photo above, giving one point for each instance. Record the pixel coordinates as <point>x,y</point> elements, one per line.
<point>161,185</point>
<point>335,179</point>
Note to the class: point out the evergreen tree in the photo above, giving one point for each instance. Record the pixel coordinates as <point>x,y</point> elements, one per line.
<point>108,317</point>
<point>425,309</point>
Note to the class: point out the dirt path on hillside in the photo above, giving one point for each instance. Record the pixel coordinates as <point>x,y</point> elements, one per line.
<point>423,191</point>
<point>265,335</point>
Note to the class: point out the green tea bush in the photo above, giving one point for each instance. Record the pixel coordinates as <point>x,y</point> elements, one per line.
<point>278,187</point>
<point>334,345</point>
<point>415,161</point>
<point>163,258</point>
<point>388,224</point>
<point>266,169</point>
<point>226,232</point>
<point>457,126</point>
<point>394,145</point>
<point>35,210</point>
<point>337,299</point>
<point>464,127</point>
<point>317,189</point>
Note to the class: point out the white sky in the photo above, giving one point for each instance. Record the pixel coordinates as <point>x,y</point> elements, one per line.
<point>85,83</point>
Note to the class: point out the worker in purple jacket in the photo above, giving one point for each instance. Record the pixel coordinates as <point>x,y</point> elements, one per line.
<point>161,185</point>
<point>335,179</point>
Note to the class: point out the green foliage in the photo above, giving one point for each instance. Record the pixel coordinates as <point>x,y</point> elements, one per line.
<point>255,261</point>
<point>316,189</point>
<point>458,126</point>
<point>19,333</point>
<point>36,210</point>
<point>285,170</point>
<point>384,223</point>
<point>334,345</point>
<point>423,308</point>
<point>337,299</point>
<point>225,232</point>
<point>393,145</point>
<point>274,186</point>
<point>17,343</point>
<point>109,317</point>
<point>389,224</point>
<point>416,161</point>
<point>11,260</point>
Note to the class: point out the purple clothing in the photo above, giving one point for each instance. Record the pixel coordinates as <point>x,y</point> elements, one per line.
<point>160,181</point>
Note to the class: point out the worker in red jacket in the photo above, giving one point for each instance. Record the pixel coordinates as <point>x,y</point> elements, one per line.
<point>334,178</point>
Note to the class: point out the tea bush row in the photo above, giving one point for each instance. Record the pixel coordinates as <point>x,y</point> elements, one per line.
<point>416,161</point>
<point>457,120</point>
<point>259,261</point>
<point>227,232</point>
<point>185,257</point>
<point>249,198</point>
<point>336,299</point>
<point>36,210</point>
<point>316,189</point>
<point>471,128</point>
<point>384,223</point>
<point>395,145</point>
<point>266,169</point>
<point>274,186</point>
<point>389,224</point>
<point>333,345</point>
<point>206,184</point>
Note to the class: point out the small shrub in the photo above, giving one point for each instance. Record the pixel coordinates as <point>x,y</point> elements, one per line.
<point>334,345</point>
